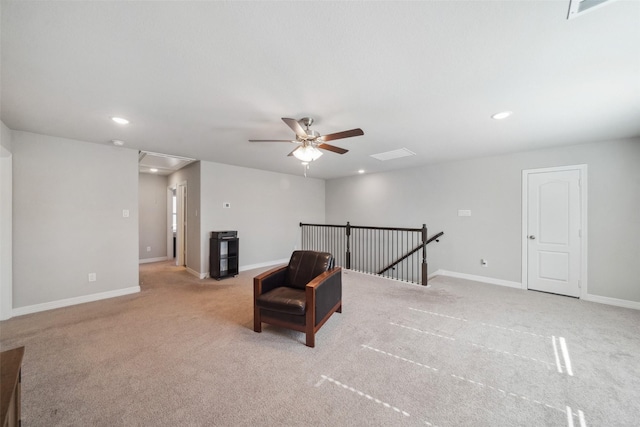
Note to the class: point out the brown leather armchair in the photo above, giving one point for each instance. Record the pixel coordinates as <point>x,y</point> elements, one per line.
<point>299,296</point>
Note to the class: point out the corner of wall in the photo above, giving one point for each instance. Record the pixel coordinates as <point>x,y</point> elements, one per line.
<point>6,222</point>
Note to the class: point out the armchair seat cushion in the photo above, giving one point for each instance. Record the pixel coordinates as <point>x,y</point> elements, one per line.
<point>284,300</point>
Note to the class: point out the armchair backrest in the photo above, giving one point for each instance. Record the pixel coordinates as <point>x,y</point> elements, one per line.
<point>304,266</point>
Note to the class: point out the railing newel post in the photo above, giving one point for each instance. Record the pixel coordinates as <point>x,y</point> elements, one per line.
<point>348,254</point>
<point>424,255</point>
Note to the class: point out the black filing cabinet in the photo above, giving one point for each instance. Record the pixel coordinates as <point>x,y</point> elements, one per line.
<point>223,254</point>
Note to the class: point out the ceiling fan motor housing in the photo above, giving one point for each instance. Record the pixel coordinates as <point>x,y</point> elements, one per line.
<point>306,121</point>
<point>312,135</point>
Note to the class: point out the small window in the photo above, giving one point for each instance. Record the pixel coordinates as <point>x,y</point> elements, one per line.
<point>175,215</point>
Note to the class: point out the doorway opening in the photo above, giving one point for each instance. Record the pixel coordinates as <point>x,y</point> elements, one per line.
<point>178,222</point>
<point>172,222</point>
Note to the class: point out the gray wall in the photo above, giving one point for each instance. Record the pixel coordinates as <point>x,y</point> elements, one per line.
<point>492,189</point>
<point>152,209</point>
<point>191,175</point>
<point>266,209</point>
<point>6,224</point>
<point>68,202</point>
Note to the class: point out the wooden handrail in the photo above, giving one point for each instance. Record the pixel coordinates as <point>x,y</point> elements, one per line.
<point>416,249</point>
<point>364,227</point>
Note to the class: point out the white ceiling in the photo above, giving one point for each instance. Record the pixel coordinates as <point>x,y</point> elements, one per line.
<point>199,79</point>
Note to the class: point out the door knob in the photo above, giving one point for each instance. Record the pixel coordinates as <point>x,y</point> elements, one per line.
<point>532,237</point>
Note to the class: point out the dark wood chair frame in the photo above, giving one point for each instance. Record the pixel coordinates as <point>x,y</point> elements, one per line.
<point>273,278</point>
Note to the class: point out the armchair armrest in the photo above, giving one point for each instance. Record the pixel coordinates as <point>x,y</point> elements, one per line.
<point>324,296</point>
<point>262,283</point>
<point>268,280</point>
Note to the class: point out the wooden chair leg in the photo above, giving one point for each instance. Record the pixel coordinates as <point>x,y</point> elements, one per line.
<point>257,323</point>
<point>311,339</point>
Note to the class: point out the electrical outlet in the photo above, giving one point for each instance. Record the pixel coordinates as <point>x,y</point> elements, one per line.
<point>125,213</point>
<point>92,277</point>
<point>484,262</point>
<point>148,248</point>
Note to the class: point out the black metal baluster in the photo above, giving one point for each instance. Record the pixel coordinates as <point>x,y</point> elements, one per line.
<point>361,249</point>
<point>401,251</point>
<point>416,277</point>
<point>369,251</point>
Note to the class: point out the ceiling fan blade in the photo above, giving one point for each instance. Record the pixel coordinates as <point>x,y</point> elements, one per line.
<point>271,140</point>
<point>295,126</point>
<point>332,148</point>
<point>343,134</point>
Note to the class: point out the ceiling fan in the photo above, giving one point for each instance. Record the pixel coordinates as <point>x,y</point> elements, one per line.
<point>310,140</point>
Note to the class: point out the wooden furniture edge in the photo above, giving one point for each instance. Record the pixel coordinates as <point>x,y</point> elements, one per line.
<point>10,367</point>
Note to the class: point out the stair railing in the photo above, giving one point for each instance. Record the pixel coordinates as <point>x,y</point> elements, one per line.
<point>391,252</point>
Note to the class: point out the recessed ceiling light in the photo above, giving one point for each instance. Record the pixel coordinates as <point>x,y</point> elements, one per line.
<point>502,115</point>
<point>361,171</point>
<point>120,120</point>
<point>117,142</point>
<point>153,170</point>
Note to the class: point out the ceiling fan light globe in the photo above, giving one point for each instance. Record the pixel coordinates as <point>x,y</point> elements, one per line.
<point>307,153</point>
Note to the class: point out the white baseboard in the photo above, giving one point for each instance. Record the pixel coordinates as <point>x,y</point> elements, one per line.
<point>20,311</point>
<point>613,301</point>
<point>589,297</point>
<point>348,271</point>
<point>264,264</point>
<point>205,275</point>
<point>475,278</point>
<point>432,275</point>
<point>197,274</point>
<point>148,260</point>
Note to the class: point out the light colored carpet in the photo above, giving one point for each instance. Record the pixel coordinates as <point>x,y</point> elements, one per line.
<point>183,352</point>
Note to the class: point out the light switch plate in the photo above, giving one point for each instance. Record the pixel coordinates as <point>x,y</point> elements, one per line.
<point>464,212</point>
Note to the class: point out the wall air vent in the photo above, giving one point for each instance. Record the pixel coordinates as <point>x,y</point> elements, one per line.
<point>394,154</point>
<point>578,7</point>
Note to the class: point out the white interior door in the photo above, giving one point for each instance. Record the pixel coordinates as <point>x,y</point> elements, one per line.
<point>553,240</point>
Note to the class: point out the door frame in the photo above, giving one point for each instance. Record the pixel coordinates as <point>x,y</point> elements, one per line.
<point>170,191</point>
<point>584,226</point>
<point>182,224</point>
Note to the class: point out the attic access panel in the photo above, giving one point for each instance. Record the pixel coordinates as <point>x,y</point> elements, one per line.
<point>393,154</point>
<point>578,7</point>
<point>165,164</point>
